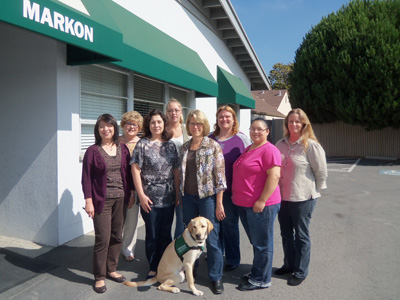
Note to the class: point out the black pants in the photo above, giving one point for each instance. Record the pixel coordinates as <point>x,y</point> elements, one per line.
<point>158,224</point>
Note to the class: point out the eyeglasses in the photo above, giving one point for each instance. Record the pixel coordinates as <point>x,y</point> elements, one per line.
<point>196,124</point>
<point>256,130</point>
<point>173,111</point>
<point>132,124</point>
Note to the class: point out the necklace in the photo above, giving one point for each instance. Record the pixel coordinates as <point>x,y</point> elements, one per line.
<point>252,147</point>
<point>108,147</point>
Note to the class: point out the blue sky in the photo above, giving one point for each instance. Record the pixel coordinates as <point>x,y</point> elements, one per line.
<point>276,28</point>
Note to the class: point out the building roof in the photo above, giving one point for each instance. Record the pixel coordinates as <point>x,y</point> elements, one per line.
<point>268,101</point>
<point>227,25</point>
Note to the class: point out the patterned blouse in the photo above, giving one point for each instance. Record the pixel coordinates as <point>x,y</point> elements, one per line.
<point>210,167</point>
<point>115,187</point>
<point>156,162</point>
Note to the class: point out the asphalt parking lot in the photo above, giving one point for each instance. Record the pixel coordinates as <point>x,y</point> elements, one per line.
<point>355,233</point>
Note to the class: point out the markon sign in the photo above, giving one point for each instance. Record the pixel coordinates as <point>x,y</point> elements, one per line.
<point>88,26</point>
<point>56,20</point>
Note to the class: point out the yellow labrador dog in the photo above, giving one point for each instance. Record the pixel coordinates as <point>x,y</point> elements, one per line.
<point>180,256</point>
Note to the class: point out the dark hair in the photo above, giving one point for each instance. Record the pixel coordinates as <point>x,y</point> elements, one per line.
<point>108,119</point>
<point>166,135</point>
<point>262,120</point>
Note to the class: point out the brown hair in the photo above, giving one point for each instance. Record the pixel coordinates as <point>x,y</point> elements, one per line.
<point>166,135</point>
<point>306,131</point>
<point>235,127</point>
<point>108,119</point>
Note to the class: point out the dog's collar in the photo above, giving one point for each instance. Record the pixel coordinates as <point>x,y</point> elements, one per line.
<point>181,247</point>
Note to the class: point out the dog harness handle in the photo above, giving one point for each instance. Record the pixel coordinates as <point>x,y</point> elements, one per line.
<point>181,247</point>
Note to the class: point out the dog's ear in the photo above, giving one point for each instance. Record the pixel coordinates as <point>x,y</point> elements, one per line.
<point>210,226</point>
<point>190,226</point>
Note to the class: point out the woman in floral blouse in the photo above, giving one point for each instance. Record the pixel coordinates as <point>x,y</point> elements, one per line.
<point>155,170</point>
<point>202,186</point>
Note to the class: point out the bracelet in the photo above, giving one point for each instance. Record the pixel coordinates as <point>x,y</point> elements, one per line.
<point>132,195</point>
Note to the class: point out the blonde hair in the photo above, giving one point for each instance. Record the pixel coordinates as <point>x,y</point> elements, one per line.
<point>132,116</point>
<point>199,117</point>
<point>306,131</point>
<point>235,127</point>
<point>173,100</point>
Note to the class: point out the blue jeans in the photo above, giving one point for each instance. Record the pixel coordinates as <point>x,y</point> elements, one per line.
<point>294,219</point>
<point>260,231</point>
<point>179,225</point>
<point>229,232</point>
<point>158,224</point>
<point>193,207</point>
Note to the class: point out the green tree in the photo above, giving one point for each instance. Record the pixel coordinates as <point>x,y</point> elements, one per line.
<point>348,66</point>
<point>278,76</point>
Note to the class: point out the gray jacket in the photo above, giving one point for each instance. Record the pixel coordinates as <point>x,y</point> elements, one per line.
<point>303,173</point>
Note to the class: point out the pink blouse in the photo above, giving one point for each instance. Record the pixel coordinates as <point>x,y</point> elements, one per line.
<point>250,174</point>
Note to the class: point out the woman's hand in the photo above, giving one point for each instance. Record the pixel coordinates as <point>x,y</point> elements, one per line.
<point>145,203</point>
<point>131,201</point>
<point>220,212</point>
<point>89,208</point>
<point>259,206</point>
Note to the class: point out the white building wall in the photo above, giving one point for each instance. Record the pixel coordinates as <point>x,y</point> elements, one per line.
<point>28,157</point>
<point>40,100</point>
<point>72,221</point>
<point>175,20</point>
<point>245,120</point>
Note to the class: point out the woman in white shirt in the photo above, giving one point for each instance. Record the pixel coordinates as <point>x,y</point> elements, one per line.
<point>179,137</point>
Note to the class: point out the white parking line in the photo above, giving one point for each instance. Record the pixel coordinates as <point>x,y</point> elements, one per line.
<point>344,170</point>
<point>354,165</point>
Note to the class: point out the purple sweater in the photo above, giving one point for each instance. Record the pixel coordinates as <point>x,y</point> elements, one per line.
<point>94,176</point>
<point>232,148</point>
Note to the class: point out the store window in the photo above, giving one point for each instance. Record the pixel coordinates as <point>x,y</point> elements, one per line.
<point>106,89</point>
<point>148,94</point>
<point>102,91</point>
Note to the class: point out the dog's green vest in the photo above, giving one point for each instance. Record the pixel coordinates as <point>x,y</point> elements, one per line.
<point>181,247</point>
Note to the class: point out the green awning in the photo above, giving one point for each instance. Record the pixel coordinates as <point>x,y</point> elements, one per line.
<point>94,32</point>
<point>149,51</point>
<point>231,89</point>
<point>98,31</point>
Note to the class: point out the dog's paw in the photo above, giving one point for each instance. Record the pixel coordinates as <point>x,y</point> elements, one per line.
<point>175,290</point>
<point>198,293</point>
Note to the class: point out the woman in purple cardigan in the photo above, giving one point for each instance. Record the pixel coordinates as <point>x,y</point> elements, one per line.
<point>107,187</point>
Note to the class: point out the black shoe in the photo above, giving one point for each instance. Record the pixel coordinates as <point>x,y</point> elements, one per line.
<point>283,271</point>
<point>119,279</point>
<point>100,289</point>
<point>247,286</point>
<point>229,268</point>
<point>217,287</point>
<point>295,281</point>
<point>246,277</point>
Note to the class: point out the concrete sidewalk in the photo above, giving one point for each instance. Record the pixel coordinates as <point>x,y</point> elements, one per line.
<point>355,233</point>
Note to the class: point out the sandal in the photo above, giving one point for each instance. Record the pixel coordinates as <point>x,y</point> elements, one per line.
<point>129,258</point>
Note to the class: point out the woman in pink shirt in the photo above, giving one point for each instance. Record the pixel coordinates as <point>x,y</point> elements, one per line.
<point>256,193</point>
